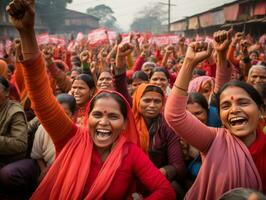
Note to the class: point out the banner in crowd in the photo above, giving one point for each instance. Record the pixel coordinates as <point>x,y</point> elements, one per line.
<point>165,39</point>
<point>98,37</point>
<point>43,38</point>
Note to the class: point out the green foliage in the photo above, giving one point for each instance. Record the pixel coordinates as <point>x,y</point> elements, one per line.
<point>150,19</point>
<point>105,14</point>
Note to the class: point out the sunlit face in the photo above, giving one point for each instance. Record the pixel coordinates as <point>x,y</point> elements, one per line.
<point>105,81</point>
<point>106,122</point>
<point>198,111</point>
<point>257,77</point>
<point>81,92</point>
<point>150,105</point>
<point>136,82</point>
<point>159,79</point>
<point>238,112</point>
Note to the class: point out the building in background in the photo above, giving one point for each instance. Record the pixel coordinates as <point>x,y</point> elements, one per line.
<point>73,22</point>
<point>242,15</point>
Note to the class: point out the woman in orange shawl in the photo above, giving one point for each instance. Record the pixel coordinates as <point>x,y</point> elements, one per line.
<point>98,162</point>
<point>156,137</point>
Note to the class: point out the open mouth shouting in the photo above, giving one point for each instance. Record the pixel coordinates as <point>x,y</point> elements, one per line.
<point>238,121</point>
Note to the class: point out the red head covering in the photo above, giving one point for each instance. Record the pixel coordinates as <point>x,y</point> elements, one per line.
<point>68,175</point>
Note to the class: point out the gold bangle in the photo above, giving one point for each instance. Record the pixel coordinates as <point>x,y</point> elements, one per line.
<point>180,88</point>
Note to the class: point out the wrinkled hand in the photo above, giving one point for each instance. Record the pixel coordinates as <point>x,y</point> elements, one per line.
<point>222,40</point>
<point>22,14</point>
<point>84,56</point>
<point>198,51</point>
<point>124,50</point>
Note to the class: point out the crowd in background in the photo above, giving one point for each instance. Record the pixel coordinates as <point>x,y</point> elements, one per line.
<point>132,119</point>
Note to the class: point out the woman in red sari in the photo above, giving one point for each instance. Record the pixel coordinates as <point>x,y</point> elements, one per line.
<point>102,161</point>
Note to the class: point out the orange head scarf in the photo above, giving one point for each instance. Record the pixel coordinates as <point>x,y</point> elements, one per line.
<point>68,175</point>
<point>3,69</point>
<point>139,119</point>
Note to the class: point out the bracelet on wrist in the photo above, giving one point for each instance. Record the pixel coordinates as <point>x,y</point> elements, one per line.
<point>180,88</point>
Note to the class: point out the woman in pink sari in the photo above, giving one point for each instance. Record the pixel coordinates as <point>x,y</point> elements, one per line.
<point>230,159</point>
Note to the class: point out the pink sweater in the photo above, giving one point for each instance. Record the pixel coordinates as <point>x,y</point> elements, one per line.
<point>227,162</point>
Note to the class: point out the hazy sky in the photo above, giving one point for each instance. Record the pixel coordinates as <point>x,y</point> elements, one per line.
<point>126,10</point>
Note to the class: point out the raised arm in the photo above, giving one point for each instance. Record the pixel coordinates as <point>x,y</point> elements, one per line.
<point>58,75</point>
<point>51,115</point>
<point>180,120</point>
<point>120,70</point>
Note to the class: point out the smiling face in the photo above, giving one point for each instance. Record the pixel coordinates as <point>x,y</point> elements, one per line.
<point>257,77</point>
<point>106,122</point>
<point>105,81</point>
<point>159,79</point>
<point>81,92</point>
<point>150,105</point>
<point>239,113</point>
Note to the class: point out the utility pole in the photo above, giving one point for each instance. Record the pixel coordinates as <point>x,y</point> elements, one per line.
<point>169,13</point>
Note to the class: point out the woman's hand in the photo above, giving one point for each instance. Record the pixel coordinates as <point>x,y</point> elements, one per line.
<point>222,40</point>
<point>123,50</point>
<point>22,14</point>
<point>85,57</point>
<point>198,52</point>
<point>18,50</point>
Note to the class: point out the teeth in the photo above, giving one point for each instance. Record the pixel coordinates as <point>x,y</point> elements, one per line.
<point>103,131</point>
<point>235,119</point>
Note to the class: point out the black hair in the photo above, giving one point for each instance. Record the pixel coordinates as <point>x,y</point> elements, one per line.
<point>5,83</point>
<point>87,79</point>
<point>60,66</point>
<point>161,69</point>
<point>121,102</point>
<point>196,97</point>
<point>103,70</point>
<point>77,69</point>
<point>140,75</point>
<point>199,72</point>
<point>252,92</point>
<point>241,194</point>
<point>153,88</point>
<point>11,68</point>
<point>254,51</point>
<point>68,99</point>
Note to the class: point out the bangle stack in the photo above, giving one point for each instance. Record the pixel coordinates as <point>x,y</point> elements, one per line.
<point>180,88</point>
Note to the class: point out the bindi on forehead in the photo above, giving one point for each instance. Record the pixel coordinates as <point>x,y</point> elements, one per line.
<point>232,98</point>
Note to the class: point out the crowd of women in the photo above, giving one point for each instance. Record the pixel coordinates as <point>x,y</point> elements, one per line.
<point>132,120</point>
